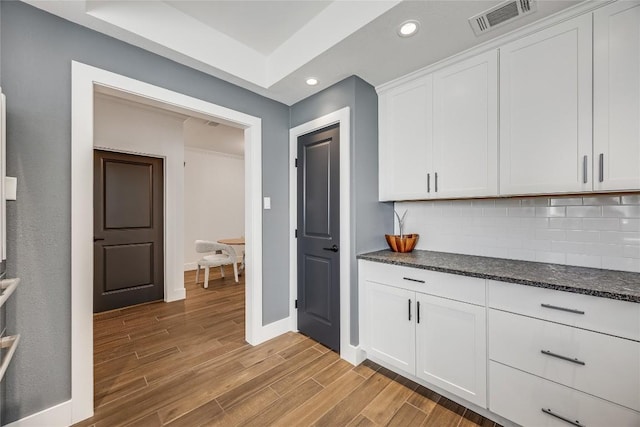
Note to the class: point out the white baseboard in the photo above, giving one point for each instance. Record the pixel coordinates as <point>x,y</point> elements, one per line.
<point>56,416</point>
<point>272,330</point>
<point>176,295</point>
<point>190,266</point>
<point>353,354</point>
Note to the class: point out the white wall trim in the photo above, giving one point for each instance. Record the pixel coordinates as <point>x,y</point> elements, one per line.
<point>55,416</point>
<point>274,329</point>
<point>85,79</point>
<point>190,266</point>
<point>342,116</point>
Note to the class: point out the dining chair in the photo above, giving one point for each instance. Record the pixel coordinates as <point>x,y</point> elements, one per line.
<point>221,255</point>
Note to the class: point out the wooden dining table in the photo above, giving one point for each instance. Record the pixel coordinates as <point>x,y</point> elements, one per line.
<point>234,241</point>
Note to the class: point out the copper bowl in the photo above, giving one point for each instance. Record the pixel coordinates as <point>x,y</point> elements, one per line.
<point>405,243</point>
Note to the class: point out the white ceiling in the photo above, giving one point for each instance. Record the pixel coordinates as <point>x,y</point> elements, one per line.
<point>261,25</point>
<point>271,47</point>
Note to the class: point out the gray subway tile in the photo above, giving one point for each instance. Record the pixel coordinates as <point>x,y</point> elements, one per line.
<point>567,223</point>
<point>630,224</point>
<point>601,200</point>
<point>555,211</point>
<point>623,264</point>
<point>584,211</point>
<point>621,211</point>
<point>631,199</point>
<point>601,224</point>
<point>566,201</point>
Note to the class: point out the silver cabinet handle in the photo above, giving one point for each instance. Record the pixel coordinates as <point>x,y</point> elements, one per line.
<point>559,356</point>
<point>584,169</point>
<point>436,182</point>
<point>601,171</point>
<point>428,183</point>
<point>413,280</point>
<point>555,307</point>
<point>560,417</point>
<point>409,309</point>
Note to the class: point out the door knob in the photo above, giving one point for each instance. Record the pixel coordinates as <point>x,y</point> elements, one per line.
<point>333,248</point>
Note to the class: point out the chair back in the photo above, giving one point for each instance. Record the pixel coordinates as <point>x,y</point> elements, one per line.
<point>206,246</point>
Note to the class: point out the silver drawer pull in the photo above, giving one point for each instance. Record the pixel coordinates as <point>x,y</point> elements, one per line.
<point>560,417</point>
<point>568,359</point>
<point>413,280</point>
<point>569,310</point>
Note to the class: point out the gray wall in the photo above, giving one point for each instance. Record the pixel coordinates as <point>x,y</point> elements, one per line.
<point>37,49</point>
<point>370,219</point>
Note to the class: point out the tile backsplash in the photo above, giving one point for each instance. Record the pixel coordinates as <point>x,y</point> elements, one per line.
<point>594,231</point>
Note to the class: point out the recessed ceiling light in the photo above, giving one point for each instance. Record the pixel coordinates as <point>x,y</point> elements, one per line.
<point>408,28</point>
<point>312,81</point>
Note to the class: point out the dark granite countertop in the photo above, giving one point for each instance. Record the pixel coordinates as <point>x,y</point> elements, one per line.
<point>619,285</point>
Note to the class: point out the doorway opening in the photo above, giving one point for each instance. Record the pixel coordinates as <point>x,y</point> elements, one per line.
<point>86,82</point>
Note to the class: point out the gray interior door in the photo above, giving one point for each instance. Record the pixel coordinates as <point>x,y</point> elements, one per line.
<point>128,230</point>
<point>319,236</point>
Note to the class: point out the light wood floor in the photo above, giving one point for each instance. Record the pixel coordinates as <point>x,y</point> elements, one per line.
<point>186,364</point>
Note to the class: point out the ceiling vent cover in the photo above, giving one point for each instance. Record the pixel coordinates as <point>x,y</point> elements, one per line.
<point>501,14</point>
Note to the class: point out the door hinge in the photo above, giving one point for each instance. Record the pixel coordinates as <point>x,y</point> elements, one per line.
<point>296,162</point>
<point>296,304</point>
<point>296,233</point>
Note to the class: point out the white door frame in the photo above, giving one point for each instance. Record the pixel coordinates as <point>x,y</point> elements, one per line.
<point>84,80</point>
<point>343,117</point>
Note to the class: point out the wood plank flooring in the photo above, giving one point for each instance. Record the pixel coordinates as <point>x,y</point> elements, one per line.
<point>186,363</point>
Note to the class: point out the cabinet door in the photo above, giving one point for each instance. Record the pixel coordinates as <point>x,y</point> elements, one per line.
<point>616,85</point>
<point>405,140</point>
<point>452,347</point>
<point>390,326</point>
<point>546,110</point>
<point>465,124</point>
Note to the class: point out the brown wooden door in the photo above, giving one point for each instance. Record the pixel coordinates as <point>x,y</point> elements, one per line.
<point>128,230</point>
<point>319,236</point>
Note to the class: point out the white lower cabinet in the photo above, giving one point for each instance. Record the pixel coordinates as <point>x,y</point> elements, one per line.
<point>598,364</point>
<point>533,401</point>
<point>558,358</point>
<point>434,338</point>
<point>451,346</point>
<point>534,356</point>
<point>390,326</point>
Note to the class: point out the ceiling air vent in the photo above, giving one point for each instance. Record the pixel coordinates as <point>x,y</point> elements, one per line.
<point>500,14</point>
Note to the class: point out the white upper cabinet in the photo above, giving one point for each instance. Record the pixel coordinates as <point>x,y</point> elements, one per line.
<point>465,123</point>
<point>405,127</point>
<point>545,111</point>
<point>616,85</point>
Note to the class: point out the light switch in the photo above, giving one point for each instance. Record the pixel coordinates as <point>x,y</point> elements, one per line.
<point>10,187</point>
<point>267,202</point>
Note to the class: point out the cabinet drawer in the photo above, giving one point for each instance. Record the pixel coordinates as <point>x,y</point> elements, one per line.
<point>620,318</point>
<point>611,368</point>
<point>452,286</point>
<point>521,398</point>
